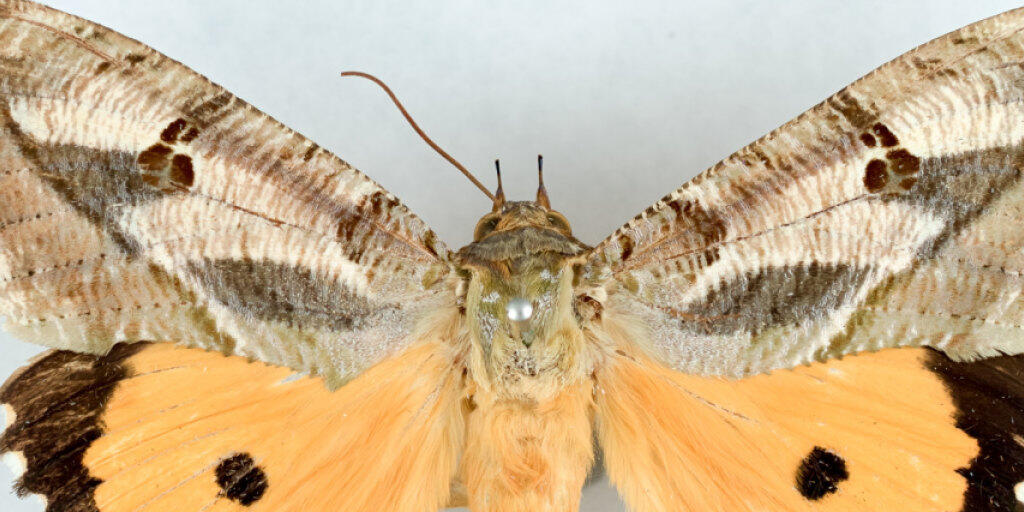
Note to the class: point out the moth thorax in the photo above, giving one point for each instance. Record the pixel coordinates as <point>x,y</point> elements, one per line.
<point>519,315</point>
<point>517,307</point>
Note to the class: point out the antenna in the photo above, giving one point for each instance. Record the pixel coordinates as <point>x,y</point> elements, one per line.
<point>542,193</point>
<point>499,194</point>
<point>422,135</point>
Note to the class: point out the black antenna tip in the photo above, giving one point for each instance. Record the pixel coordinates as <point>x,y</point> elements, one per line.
<point>499,194</point>
<point>542,193</point>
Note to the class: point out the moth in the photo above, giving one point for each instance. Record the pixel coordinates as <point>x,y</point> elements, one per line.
<point>242,321</point>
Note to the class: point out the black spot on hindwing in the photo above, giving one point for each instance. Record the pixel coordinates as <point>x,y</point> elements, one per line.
<point>241,480</point>
<point>820,473</point>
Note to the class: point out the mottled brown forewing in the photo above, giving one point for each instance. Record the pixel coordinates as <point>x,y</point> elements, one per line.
<point>888,215</point>
<point>138,200</point>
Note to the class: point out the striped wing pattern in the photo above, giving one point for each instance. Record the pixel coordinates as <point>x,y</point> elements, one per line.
<point>888,215</point>
<point>139,201</point>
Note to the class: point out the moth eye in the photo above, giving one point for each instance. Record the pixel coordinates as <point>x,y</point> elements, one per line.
<point>484,228</point>
<point>559,222</point>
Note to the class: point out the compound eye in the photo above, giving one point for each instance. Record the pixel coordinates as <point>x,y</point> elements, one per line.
<point>485,226</point>
<point>559,222</point>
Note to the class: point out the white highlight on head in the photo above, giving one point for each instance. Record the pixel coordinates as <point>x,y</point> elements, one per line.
<point>519,309</point>
<point>1018,491</point>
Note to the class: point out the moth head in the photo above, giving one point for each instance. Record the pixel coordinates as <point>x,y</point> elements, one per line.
<point>520,214</point>
<point>506,215</point>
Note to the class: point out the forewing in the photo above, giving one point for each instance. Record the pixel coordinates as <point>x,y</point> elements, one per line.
<point>141,201</point>
<point>888,215</point>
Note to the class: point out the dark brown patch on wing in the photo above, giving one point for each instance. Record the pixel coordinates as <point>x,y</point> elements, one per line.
<point>166,170</point>
<point>173,130</point>
<point>989,398</point>
<point>372,211</point>
<point>885,136</point>
<point>308,155</point>
<point>895,174</point>
<point>868,139</point>
<point>844,103</point>
<point>683,227</point>
<point>155,157</point>
<point>627,248</point>
<point>903,162</point>
<point>208,111</point>
<point>179,130</point>
<point>189,135</point>
<point>241,480</point>
<point>59,403</point>
<point>375,222</point>
<point>283,293</point>
<point>775,296</point>
<point>876,175</point>
<point>692,214</point>
<point>926,65</point>
<point>164,164</point>
<point>182,173</point>
<point>820,473</point>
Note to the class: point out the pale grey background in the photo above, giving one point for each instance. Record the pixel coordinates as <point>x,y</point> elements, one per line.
<point>625,102</point>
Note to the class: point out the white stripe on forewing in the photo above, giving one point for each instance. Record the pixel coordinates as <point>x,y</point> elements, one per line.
<point>884,235</point>
<point>197,228</point>
<point>69,121</point>
<point>946,123</point>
